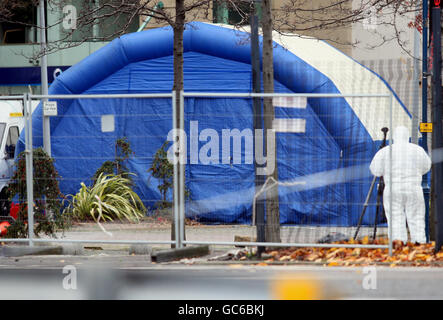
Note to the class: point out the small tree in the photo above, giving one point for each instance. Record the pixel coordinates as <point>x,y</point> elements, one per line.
<point>163,170</point>
<point>117,166</point>
<point>47,197</point>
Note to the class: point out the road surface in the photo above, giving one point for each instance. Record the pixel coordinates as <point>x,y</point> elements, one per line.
<point>121,276</point>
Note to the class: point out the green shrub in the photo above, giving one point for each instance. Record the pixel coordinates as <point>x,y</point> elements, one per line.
<point>163,170</point>
<point>47,197</point>
<point>111,197</point>
<point>117,166</point>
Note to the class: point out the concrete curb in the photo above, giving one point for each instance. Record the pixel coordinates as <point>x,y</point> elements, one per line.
<point>16,251</point>
<point>42,249</point>
<point>140,249</point>
<point>180,253</point>
<point>73,249</point>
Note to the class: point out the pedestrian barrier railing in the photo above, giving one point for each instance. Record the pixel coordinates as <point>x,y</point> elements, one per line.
<point>295,116</point>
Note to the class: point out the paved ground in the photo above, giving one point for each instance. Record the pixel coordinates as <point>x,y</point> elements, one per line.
<point>108,271</point>
<point>116,275</point>
<point>223,233</point>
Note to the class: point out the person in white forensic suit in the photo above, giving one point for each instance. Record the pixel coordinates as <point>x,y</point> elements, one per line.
<point>409,163</point>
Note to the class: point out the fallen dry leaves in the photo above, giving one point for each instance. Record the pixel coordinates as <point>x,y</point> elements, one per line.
<point>408,254</point>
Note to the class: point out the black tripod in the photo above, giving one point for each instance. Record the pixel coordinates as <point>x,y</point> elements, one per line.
<point>379,204</point>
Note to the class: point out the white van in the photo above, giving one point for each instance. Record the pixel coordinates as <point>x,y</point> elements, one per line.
<point>12,123</point>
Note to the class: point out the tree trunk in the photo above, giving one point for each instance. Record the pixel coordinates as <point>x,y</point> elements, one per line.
<point>272,229</point>
<point>178,27</point>
<point>178,46</point>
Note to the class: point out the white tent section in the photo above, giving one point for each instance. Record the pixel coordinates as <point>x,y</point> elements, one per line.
<point>350,77</point>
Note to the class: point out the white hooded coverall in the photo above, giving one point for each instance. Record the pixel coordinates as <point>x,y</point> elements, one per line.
<point>410,162</point>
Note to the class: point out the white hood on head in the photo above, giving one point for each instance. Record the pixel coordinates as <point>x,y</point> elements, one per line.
<point>401,135</point>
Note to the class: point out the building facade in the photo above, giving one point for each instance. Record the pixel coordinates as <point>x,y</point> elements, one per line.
<point>20,45</point>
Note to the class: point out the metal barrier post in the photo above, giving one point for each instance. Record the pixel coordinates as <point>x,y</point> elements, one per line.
<point>182,166</point>
<point>390,177</point>
<point>29,170</point>
<point>175,175</point>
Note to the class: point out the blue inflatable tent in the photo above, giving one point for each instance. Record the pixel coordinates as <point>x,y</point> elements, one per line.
<point>339,132</point>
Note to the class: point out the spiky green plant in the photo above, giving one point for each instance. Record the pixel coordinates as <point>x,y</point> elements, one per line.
<point>111,197</point>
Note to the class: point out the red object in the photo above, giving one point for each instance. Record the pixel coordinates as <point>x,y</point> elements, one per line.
<point>13,212</point>
<point>3,227</point>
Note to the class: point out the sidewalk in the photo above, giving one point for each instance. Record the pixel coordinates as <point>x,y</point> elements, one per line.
<point>154,231</point>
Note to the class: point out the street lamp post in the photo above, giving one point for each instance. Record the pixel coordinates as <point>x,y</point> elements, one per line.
<point>44,77</point>
<point>437,134</point>
<point>424,109</point>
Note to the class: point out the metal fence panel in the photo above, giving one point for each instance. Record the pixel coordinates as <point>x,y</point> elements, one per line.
<point>322,159</point>
<point>86,133</point>
<point>309,181</point>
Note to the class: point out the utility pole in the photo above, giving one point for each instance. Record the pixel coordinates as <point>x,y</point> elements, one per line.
<point>424,109</point>
<point>416,87</point>
<point>437,134</point>
<point>44,77</point>
<point>258,123</point>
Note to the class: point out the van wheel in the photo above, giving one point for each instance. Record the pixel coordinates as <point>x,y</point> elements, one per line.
<point>4,203</point>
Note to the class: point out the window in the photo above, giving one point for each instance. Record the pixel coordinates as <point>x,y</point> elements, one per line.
<point>11,141</point>
<point>21,25</point>
<point>18,28</point>
<point>110,23</point>
<point>236,13</point>
<point>2,130</point>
